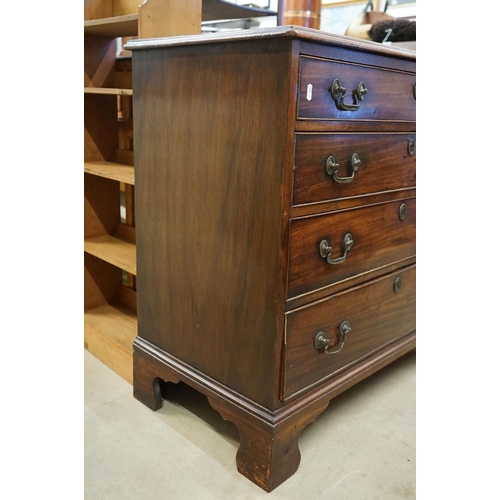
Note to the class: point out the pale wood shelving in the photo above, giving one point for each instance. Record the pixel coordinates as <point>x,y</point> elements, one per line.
<point>110,331</point>
<point>107,91</point>
<point>128,25</point>
<point>110,318</point>
<point>113,27</point>
<point>116,251</point>
<point>111,170</point>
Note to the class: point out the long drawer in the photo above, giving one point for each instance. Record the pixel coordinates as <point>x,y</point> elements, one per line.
<point>380,235</point>
<point>332,90</point>
<point>371,316</point>
<point>333,166</point>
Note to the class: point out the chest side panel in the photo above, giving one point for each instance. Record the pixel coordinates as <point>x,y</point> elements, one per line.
<point>210,128</point>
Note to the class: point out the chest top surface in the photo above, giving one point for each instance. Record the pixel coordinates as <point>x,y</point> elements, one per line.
<point>294,32</point>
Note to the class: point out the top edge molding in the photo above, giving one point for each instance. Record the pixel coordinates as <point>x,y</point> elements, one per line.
<point>297,32</point>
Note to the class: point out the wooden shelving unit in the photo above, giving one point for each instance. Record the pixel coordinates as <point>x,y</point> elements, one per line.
<point>114,27</point>
<point>117,251</point>
<point>109,334</point>
<point>111,170</point>
<point>110,91</point>
<point>110,316</point>
<point>211,10</point>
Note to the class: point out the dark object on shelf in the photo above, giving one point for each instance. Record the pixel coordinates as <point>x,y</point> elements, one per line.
<point>396,30</point>
<point>213,10</point>
<point>361,25</point>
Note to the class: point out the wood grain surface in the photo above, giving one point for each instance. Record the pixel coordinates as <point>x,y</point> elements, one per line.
<point>385,165</point>
<point>376,313</point>
<point>211,134</point>
<point>232,201</point>
<point>380,238</point>
<point>389,97</point>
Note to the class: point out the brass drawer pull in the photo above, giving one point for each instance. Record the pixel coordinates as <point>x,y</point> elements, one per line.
<point>321,342</point>
<point>332,168</point>
<point>338,94</point>
<point>325,249</point>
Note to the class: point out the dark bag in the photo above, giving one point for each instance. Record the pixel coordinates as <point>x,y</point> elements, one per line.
<point>397,30</point>
<point>360,26</point>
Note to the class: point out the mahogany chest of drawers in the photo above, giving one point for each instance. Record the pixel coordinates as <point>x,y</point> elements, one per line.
<point>276,216</point>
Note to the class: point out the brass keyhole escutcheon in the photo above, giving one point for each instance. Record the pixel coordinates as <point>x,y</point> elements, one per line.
<point>403,211</point>
<point>411,147</point>
<point>397,284</point>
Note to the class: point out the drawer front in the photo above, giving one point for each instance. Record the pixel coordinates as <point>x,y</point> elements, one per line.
<point>380,237</point>
<point>389,96</point>
<point>334,166</point>
<point>376,314</point>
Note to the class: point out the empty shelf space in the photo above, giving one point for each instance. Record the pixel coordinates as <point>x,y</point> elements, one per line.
<point>109,333</point>
<point>106,91</point>
<point>113,26</point>
<point>117,322</point>
<point>115,251</point>
<point>110,170</point>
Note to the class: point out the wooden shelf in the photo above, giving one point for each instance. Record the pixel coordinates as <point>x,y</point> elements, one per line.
<point>106,91</point>
<point>109,333</point>
<point>115,251</point>
<point>113,27</point>
<point>110,170</point>
<point>212,10</point>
